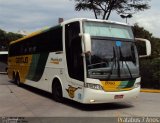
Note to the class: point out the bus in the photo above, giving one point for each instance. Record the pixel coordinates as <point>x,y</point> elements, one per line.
<point>3,61</point>
<point>85,60</point>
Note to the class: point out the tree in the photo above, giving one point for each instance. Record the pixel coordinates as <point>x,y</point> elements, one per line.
<point>140,32</point>
<point>103,8</point>
<point>12,36</point>
<point>5,38</point>
<point>149,67</point>
<point>2,39</point>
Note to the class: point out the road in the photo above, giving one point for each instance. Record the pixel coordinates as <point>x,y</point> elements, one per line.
<point>28,102</point>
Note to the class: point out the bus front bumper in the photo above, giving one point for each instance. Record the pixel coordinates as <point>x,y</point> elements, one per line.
<point>92,96</point>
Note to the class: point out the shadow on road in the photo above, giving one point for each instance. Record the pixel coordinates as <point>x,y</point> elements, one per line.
<point>96,107</point>
<point>83,107</point>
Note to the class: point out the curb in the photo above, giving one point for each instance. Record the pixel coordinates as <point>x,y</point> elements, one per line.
<point>150,90</point>
<point>3,72</point>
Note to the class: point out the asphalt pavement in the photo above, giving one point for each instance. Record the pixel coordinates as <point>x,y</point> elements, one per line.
<point>29,102</point>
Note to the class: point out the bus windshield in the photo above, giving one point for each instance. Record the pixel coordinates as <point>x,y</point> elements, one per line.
<point>113,52</point>
<point>108,30</point>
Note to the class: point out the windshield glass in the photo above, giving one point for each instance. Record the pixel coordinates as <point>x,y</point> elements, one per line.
<point>112,60</point>
<point>107,49</point>
<point>108,30</point>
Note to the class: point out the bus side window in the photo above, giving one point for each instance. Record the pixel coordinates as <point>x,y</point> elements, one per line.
<point>34,49</point>
<point>54,39</point>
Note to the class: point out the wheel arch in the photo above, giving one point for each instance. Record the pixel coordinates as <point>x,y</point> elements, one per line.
<point>57,79</point>
<point>13,74</point>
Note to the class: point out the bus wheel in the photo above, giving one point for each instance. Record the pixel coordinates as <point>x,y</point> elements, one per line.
<point>18,80</point>
<point>14,77</point>
<point>57,91</point>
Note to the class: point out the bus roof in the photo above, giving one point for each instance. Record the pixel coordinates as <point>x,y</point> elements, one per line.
<point>94,20</point>
<point>33,34</point>
<point>65,22</point>
<point>3,52</point>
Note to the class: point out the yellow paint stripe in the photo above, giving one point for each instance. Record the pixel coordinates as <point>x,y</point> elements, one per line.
<point>115,90</point>
<point>126,89</point>
<point>110,85</point>
<point>28,36</point>
<point>31,35</point>
<point>150,90</point>
<point>54,62</point>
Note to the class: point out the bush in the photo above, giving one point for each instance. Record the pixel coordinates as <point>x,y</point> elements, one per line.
<point>150,72</point>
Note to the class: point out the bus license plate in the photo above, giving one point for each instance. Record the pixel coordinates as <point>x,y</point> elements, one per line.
<point>118,96</point>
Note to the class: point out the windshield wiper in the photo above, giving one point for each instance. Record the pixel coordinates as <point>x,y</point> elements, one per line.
<point>114,63</point>
<point>119,69</point>
<point>97,65</point>
<point>122,59</point>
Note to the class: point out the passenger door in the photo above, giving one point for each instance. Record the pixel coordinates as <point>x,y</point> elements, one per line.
<point>74,59</point>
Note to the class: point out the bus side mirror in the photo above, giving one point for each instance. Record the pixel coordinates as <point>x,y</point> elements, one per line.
<point>87,42</point>
<point>147,47</point>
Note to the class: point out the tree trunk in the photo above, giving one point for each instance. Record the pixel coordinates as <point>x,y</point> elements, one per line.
<point>110,8</point>
<point>93,9</point>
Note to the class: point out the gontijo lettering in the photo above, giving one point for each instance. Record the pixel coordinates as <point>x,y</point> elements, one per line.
<point>22,60</point>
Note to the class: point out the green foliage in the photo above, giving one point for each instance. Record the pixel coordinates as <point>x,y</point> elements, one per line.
<point>149,67</point>
<point>140,32</point>
<point>150,72</point>
<point>103,8</point>
<point>5,38</point>
<point>155,42</point>
<point>156,69</point>
<point>2,37</point>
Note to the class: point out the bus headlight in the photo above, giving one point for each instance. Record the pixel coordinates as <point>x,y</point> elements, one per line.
<point>136,85</point>
<point>93,86</point>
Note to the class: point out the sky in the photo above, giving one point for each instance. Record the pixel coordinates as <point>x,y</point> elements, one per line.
<point>31,15</point>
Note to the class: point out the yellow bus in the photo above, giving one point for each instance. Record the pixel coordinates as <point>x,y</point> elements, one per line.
<point>85,60</point>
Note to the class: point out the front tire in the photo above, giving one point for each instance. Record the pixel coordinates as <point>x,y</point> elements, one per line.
<point>57,92</point>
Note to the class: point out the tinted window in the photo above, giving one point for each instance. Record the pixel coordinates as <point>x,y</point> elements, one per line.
<point>49,41</point>
<point>108,30</point>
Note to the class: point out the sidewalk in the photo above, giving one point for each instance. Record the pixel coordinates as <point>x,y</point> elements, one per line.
<point>150,90</point>
<point>3,72</point>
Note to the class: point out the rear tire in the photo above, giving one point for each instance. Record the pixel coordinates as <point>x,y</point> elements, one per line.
<point>18,81</point>
<point>57,92</point>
